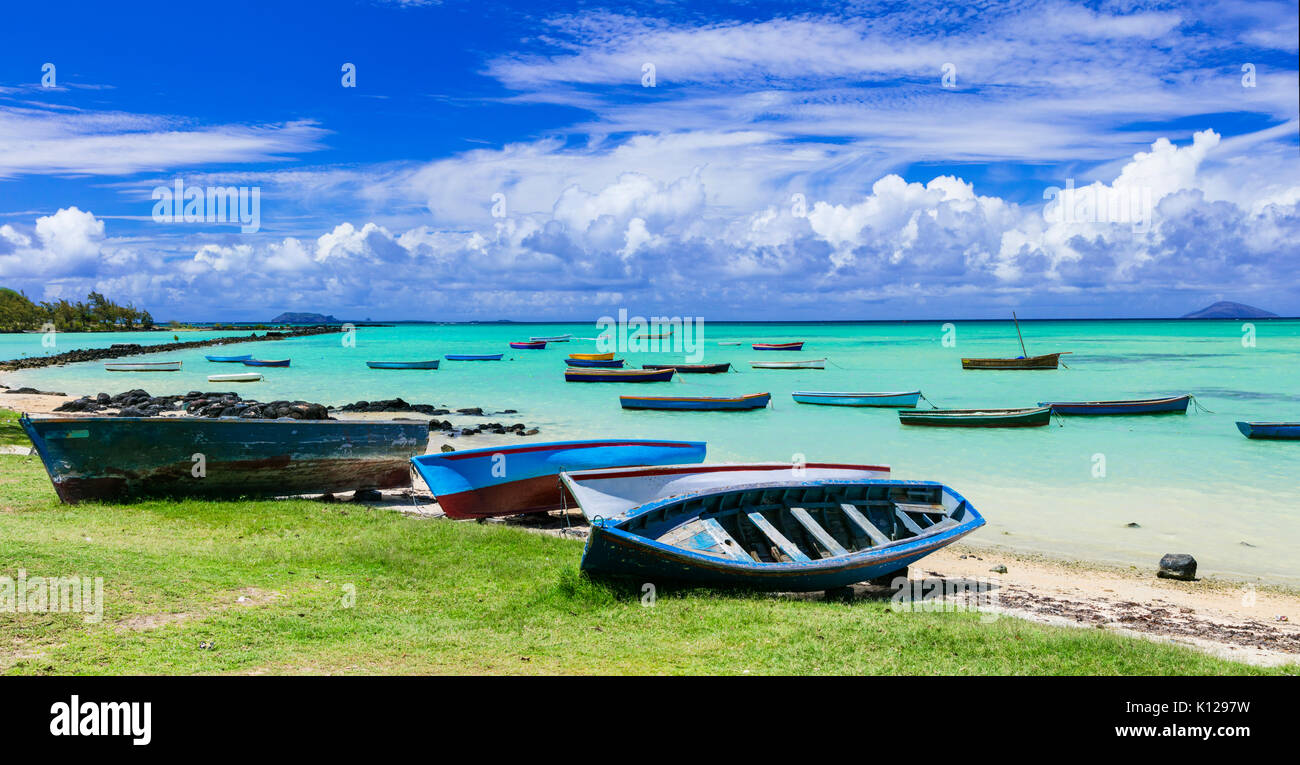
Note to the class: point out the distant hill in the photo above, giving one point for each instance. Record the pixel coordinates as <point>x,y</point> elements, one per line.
<point>1226,309</point>
<point>304,318</point>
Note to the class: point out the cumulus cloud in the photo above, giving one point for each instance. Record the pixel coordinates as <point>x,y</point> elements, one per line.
<point>68,242</point>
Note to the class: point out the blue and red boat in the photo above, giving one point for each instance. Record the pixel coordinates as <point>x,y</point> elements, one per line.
<point>766,526</point>
<point>618,375</point>
<point>403,364</point>
<point>779,346</point>
<point>266,363</point>
<point>697,403</point>
<point>480,483</point>
<point>1281,431</point>
<point>1163,405</point>
<point>528,345</point>
<point>474,356</point>
<point>595,363</point>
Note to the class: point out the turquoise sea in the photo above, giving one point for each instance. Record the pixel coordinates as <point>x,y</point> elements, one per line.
<point>1192,483</point>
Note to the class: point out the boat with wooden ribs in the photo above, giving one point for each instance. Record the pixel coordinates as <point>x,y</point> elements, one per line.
<point>828,398</point>
<point>530,345</point>
<point>229,359</point>
<point>697,403</point>
<point>403,364</point>
<point>806,364</point>
<point>592,356</point>
<point>480,483</point>
<point>1281,431</point>
<point>767,526</point>
<point>142,366</point>
<point>1163,405</point>
<point>1025,361</point>
<point>266,363</point>
<point>692,369</point>
<point>618,375</point>
<point>114,458</point>
<point>778,346</point>
<point>595,363</point>
<point>1027,417</point>
<point>474,356</point>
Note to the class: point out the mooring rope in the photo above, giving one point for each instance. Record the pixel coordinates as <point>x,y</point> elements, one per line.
<point>928,401</point>
<point>1199,407</point>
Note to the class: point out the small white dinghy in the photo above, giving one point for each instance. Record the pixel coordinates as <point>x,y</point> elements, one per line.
<point>142,366</point>
<point>806,364</point>
<point>241,377</point>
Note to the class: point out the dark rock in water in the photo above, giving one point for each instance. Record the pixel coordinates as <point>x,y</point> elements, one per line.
<point>35,392</point>
<point>530,432</point>
<point>1177,566</point>
<point>508,411</point>
<point>477,411</point>
<point>1133,525</point>
<point>103,398</point>
<point>448,448</point>
<point>367,495</point>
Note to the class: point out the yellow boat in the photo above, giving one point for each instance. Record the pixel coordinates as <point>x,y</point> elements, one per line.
<point>592,356</point>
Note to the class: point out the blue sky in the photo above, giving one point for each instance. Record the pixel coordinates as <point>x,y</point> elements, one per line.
<point>792,160</point>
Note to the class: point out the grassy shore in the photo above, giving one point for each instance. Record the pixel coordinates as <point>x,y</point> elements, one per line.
<point>311,587</point>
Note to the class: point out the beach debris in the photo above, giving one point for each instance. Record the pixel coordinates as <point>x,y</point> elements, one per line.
<point>999,569</point>
<point>367,495</point>
<point>1280,618</point>
<point>1177,566</point>
<point>1246,544</point>
<point>1133,525</point>
<point>34,392</point>
<point>448,448</point>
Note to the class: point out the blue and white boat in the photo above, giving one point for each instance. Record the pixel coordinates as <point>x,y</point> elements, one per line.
<point>905,399</point>
<point>767,526</point>
<point>474,356</point>
<point>229,359</point>
<point>433,364</point>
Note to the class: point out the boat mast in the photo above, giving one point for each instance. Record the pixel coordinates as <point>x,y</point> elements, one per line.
<point>1022,337</point>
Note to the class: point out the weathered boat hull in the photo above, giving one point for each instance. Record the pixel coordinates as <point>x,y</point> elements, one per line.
<point>403,364</point>
<point>809,364</point>
<point>229,359</point>
<point>901,398</point>
<point>142,366</point>
<point>495,481</point>
<point>977,418</point>
<point>698,404</point>
<point>595,363</point>
<point>692,369</point>
<point>618,375</point>
<point>1166,405</point>
<point>474,356</point>
<point>116,458</point>
<point>1281,431</point>
<point>266,363</point>
<point>1047,361</point>
<point>778,346</point>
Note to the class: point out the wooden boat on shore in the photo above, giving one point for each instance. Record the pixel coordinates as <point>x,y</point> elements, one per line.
<point>592,356</point>
<point>474,356</point>
<point>142,366</point>
<point>403,364</point>
<point>766,526</point>
<point>239,377</point>
<point>618,375</point>
<point>596,363</point>
<point>480,483</point>
<point>692,369</point>
<point>806,364</point>
<point>1281,431</point>
<point>825,398</point>
<point>1028,417</point>
<point>697,403</point>
<point>531,345</point>
<point>1164,405</point>
<point>114,458</point>
<point>229,359</point>
<point>1025,361</point>
<point>552,339</point>
<point>266,363</point>
<point>778,346</point>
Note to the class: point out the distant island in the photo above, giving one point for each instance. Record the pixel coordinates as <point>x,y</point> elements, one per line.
<point>304,318</point>
<point>1226,309</point>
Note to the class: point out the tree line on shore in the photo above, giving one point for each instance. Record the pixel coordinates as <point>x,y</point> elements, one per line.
<point>96,313</point>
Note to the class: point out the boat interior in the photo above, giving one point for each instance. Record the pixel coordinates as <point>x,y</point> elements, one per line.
<point>799,524</point>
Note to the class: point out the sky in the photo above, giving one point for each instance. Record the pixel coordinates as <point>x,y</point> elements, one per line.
<point>725,160</point>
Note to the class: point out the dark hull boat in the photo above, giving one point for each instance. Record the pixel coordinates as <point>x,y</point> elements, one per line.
<point>1283,431</point>
<point>977,418</point>
<point>480,483</point>
<point>692,369</point>
<point>697,403</point>
<point>474,356</point>
<point>531,345</point>
<point>1165,405</point>
<point>1046,361</point>
<point>764,526</point>
<point>266,363</point>
<point>403,364</point>
<point>595,363</point>
<point>618,375</point>
<point>778,346</point>
<point>114,458</point>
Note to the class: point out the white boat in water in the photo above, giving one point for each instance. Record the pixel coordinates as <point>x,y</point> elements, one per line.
<point>142,366</point>
<point>244,377</point>
<point>555,339</point>
<point>806,364</point>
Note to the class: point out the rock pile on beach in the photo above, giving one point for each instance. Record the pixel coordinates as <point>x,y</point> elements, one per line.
<point>399,405</point>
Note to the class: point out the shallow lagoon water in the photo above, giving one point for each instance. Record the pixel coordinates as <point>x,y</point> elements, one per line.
<point>1192,482</point>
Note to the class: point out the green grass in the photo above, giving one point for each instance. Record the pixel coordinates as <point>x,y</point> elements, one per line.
<point>433,596</point>
<point>11,433</point>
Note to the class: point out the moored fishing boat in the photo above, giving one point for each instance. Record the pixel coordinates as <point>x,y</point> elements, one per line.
<point>597,363</point>
<point>552,339</point>
<point>1027,417</point>
<point>403,364</point>
<point>618,375</point>
<point>142,366</point>
<point>692,369</point>
<point>827,398</point>
<point>731,343</point>
<point>531,345</point>
<point>592,356</point>
<point>697,403</point>
<point>109,458</point>
<point>474,356</point>
<point>1282,431</point>
<point>806,364</point>
<point>479,483</point>
<point>229,359</point>
<point>1163,405</point>
<point>764,526</point>
<point>266,363</point>
<point>1046,361</point>
<point>238,377</point>
<point>778,346</point>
